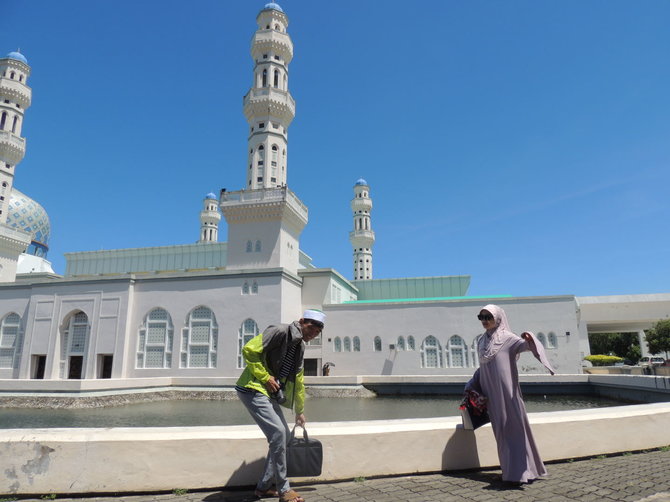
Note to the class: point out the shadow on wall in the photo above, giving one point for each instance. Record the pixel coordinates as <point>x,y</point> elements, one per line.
<point>461,450</point>
<point>387,369</point>
<point>245,474</point>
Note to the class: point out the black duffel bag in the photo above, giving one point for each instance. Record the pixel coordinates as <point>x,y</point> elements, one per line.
<point>304,456</point>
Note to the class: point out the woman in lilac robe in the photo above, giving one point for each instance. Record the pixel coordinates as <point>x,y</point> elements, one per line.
<point>497,378</point>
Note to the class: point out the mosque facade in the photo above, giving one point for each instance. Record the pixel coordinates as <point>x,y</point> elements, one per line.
<point>187,310</point>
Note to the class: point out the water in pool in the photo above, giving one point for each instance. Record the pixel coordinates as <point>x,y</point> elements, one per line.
<point>201,413</point>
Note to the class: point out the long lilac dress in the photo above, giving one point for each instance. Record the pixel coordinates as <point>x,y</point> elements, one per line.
<point>498,379</point>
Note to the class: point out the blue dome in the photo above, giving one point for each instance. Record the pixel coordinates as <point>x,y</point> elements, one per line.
<point>28,215</point>
<point>273,5</point>
<point>361,181</point>
<point>18,56</point>
<point>210,195</point>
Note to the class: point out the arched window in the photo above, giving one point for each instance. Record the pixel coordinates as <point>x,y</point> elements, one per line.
<point>15,121</point>
<point>245,288</point>
<point>457,352</point>
<point>410,343</point>
<point>474,354</point>
<point>250,247</point>
<point>3,120</point>
<point>347,344</point>
<point>264,82</point>
<point>276,80</point>
<point>154,348</point>
<point>12,75</point>
<point>542,339</point>
<point>258,247</point>
<point>74,344</point>
<point>337,345</point>
<point>551,340</point>
<point>199,339</point>
<point>431,353</point>
<point>254,288</point>
<point>357,344</point>
<point>401,343</point>
<point>248,330</point>
<point>10,340</point>
<point>377,344</point>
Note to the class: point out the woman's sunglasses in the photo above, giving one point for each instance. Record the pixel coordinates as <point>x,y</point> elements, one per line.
<point>485,317</point>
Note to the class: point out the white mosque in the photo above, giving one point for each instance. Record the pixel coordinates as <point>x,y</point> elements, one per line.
<point>186,310</point>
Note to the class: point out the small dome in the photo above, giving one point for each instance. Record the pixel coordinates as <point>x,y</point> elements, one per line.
<point>361,181</point>
<point>25,214</point>
<point>18,56</point>
<point>210,195</point>
<point>272,5</point>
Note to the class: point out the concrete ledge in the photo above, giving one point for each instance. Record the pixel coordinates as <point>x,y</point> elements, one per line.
<point>71,461</point>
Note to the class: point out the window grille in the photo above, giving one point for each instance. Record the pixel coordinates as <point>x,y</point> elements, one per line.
<point>347,344</point>
<point>377,344</point>
<point>199,339</point>
<point>410,343</point>
<point>357,344</point>
<point>431,353</point>
<point>337,346</point>
<point>400,345</point>
<point>154,344</point>
<point>551,340</point>
<point>248,330</point>
<point>74,341</point>
<point>457,352</point>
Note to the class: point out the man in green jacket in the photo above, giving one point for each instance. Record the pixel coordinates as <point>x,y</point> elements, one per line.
<point>274,377</point>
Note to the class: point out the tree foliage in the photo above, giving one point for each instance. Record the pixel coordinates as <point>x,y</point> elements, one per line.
<point>625,345</point>
<point>658,337</point>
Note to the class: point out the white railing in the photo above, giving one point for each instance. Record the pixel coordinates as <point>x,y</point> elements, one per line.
<point>362,233</point>
<point>274,94</point>
<point>262,195</point>
<point>13,139</point>
<point>17,87</point>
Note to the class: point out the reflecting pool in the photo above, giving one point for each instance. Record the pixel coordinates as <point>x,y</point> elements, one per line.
<point>179,413</point>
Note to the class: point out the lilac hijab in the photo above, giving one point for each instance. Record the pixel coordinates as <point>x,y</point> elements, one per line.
<point>492,341</point>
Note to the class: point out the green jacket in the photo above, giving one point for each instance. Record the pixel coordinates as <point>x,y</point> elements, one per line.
<point>264,355</point>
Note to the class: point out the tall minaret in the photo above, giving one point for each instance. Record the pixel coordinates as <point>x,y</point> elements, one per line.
<point>362,238</point>
<point>209,219</point>
<point>15,96</point>
<point>268,106</point>
<point>266,219</point>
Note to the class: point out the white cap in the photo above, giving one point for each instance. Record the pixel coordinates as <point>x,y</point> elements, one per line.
<point>316,315</point>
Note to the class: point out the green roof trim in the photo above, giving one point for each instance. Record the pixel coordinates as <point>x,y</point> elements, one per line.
<point>437,298</point>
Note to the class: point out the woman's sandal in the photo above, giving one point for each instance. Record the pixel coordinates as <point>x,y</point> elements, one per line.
<point>291,496</point>
<point>264,494</point>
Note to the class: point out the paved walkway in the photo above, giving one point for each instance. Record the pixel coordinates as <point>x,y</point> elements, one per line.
<point>630,477</point>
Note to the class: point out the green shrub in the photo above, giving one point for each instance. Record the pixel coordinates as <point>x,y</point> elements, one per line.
<point>601,360</point>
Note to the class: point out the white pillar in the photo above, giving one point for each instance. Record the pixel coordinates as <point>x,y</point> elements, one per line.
<point>362,237</point>
<point>644,348</point>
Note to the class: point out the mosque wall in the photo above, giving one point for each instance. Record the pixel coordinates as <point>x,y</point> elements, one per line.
<point>429,338</point>
<point>192,325</point>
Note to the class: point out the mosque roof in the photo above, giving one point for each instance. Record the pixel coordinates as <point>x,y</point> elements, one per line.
<point>361,181</point>
<point>210,195</point>
<point>18,56</point>
<point>273,5</point>
<point>28,215</point>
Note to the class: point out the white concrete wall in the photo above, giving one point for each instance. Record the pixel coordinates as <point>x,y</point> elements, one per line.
<point>442,319</point>
<point>126,460</point>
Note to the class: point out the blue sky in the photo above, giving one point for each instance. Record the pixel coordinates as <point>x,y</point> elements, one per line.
<point>524,143</point>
